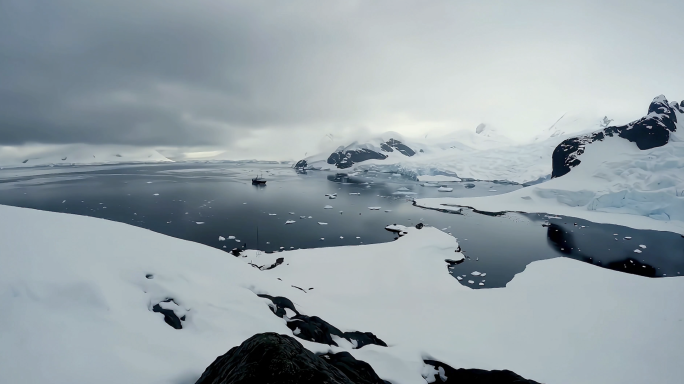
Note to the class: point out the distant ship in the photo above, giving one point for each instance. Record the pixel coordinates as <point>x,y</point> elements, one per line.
<point>258,180</point>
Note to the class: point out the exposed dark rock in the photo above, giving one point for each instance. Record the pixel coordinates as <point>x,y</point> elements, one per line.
<point>454,262</point>
<point>270,358</point>
<point>469,185</point>
<point>301,164</point>
<point>385,147</point>
<point>278,261</point>
<point>170,316</point>
<point>348,158</point>
<point>313,328</point>
<point>401,147</point>
<point>356,370</point>
<point>236,251</point>
<point>149,276</point>
<point>652,130</point>
<point>419,226</point>
<point>448,374</point>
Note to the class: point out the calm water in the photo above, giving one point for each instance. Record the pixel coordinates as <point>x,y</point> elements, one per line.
<point>200,202</point>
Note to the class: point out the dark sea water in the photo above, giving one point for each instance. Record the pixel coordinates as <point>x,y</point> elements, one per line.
<point>201,202</point>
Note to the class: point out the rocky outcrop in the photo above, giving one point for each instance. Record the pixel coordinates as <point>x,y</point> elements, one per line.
<point>170,316</point>
<point>301,164</point>
<point>315,329</point>
<point>270,358</point>
<point>652,130</point>
<point>442,373</point>
<point>348,158</point>
<point>345,158</point>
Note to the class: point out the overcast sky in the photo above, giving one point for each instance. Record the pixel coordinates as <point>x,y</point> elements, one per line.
<point>270,79</point>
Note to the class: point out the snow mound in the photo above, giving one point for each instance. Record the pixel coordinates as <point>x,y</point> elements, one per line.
<point>84,295</point>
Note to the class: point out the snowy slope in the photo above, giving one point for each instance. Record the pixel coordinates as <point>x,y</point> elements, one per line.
<point>610,180</point>
<point>76,154</point>
<point>466,154</point>
<point>77,294</point>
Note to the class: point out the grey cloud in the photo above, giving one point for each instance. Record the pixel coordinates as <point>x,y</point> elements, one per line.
<point>207,73</point>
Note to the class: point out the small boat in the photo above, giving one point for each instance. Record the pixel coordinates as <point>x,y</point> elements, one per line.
<point>258,180</point>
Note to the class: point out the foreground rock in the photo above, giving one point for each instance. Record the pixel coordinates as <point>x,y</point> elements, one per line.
<point>270,358</point>
<point>439,372</point>
<point>315,329</point>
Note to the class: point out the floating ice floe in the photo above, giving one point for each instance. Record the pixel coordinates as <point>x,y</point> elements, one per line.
<point>322,238</point>
<point>322,223</point>
<point>309,217</point>
<point>199,222</point>
<point>637,251</point>
<point>459,278</point>
<point>628,237</point>
<point>354,193</point>
<point>483,274</point>
<point>291,213</point>
<point>481,284</point>
<point>231,237</point>
<point>63,201</point>
<point>642,246</point>
<point>492,190</point>
<point>475,273</point>
<point>221,238</point>
<point>290,222</point>
<point>471,282</point>
<point>445,189</point>
<point>302,217</point>
<point>374,208</point>
<point>328,207</point>
<point>272,214</point>
<point>156,194</point>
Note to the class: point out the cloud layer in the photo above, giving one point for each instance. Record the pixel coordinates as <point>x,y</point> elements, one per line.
<point>242,75</point>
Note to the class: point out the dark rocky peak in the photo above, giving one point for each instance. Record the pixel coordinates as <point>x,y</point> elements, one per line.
<point>270,358</point>
<point>650,131</point>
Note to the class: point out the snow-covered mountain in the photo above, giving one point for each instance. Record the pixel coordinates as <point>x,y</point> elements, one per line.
<point>77,154</point>
<point>631,175</point>
<point>479,154</point>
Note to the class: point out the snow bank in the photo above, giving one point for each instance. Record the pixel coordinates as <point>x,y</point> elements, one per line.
<point>615,183</point>
<point>77,308</point>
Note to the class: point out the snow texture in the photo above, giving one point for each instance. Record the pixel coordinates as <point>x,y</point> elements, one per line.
<point>77,308</point>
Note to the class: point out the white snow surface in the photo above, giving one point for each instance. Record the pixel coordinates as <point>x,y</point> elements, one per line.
<point>615,183</point>
<point>76,154</point>
<point>465,154</point>
<point>77,308</point>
